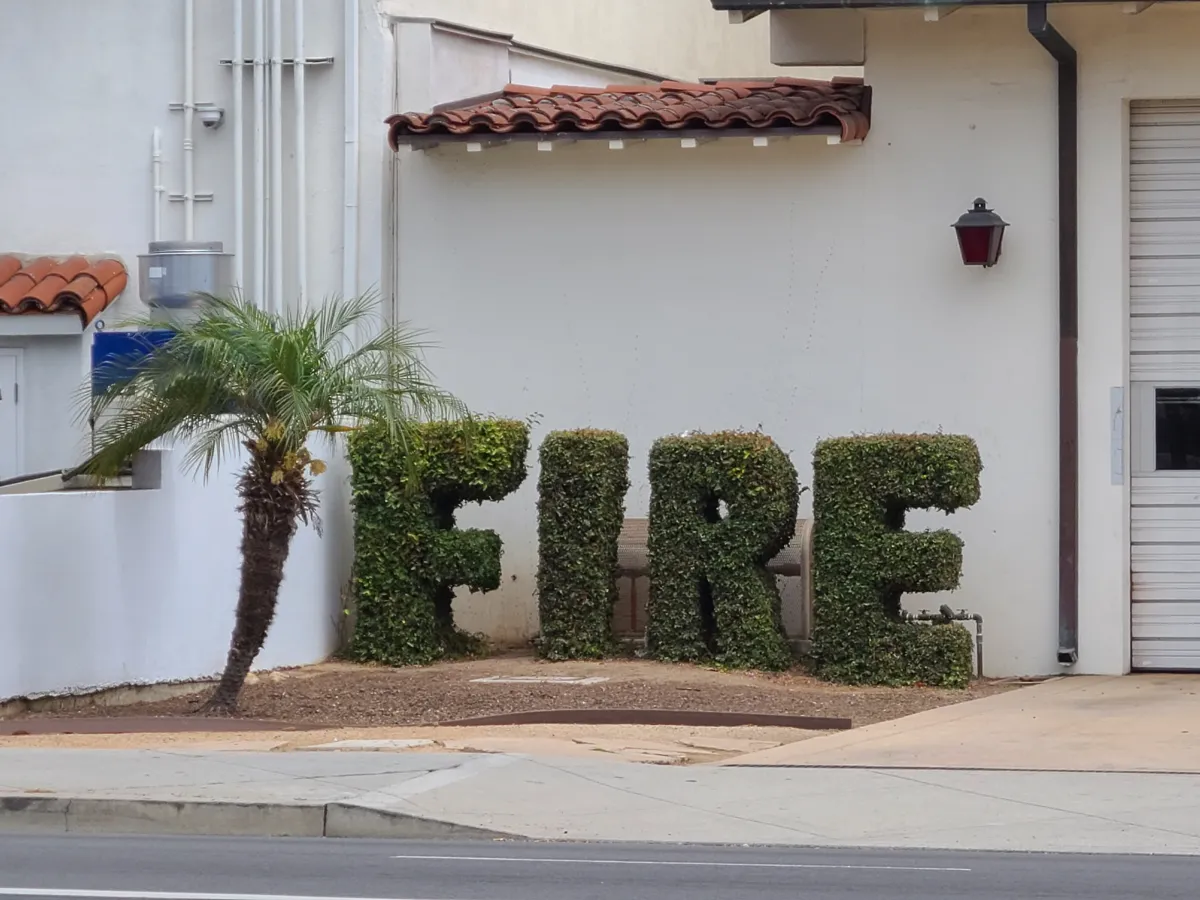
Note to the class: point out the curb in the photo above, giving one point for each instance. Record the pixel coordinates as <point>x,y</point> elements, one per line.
<point>693,718</point>
<point>83,815</point>
<point>145,725</point>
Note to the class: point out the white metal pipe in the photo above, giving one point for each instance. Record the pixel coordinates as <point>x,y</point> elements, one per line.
<point>239,148</point>
<point>350,188</point>
<point>260,154</point>
<point>276,142</point>
<point>189,119</point>
<point>159,187</point>
<point>301,161</point>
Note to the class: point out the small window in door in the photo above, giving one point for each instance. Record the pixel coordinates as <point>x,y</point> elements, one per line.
<point>1177,429</point>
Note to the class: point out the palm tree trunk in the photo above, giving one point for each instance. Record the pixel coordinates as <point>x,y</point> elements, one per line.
<point>270,516</point>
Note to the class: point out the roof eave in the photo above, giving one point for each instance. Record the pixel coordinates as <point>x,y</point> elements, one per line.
<point>428,141</point>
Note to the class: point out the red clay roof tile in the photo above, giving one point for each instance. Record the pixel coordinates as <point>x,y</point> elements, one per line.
<point>47,285</point>
<point>785,104</point>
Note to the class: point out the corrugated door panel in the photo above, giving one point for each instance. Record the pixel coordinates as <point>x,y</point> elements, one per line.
<point>1174,656</point>
<point>1164,367</point>
<point>1174,489</point>
<point>1158,559</point>
<point>1176,193</point>
<point>1164,286</point>
<point>1164,348</point>
<point>1164,334</point>
<point>1165,237</point>
<point>1168,622</point>
<point>1178,590</point>
<point>1165,525</point>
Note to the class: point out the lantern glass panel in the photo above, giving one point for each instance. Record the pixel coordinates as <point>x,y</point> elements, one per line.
<point>975,244</point>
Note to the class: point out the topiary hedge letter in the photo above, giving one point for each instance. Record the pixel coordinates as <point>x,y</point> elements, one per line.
<point>581,505</point>
<point>863,560</point>
<point>408,556</point>
<point>710,595</point>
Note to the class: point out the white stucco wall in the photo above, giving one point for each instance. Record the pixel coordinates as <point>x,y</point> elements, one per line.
<point>816,291</point>
<point>680,38</point>
<point>131,587</point>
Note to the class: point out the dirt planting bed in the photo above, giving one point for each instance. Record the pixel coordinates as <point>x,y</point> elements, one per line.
<point>344,695</point>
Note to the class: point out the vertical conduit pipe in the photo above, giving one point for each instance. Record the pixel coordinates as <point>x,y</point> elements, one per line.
<point>276,143</point>
<point>260,155</point>
<point>350,137</point>
<point>301,161</point>
<point>239,147</point>
<point>156,156</point>
<point>189,119</point>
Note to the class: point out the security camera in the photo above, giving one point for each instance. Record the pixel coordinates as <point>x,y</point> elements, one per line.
<point>212,116</point>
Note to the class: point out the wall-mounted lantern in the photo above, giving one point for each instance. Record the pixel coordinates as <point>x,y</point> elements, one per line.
<point>980,234</point>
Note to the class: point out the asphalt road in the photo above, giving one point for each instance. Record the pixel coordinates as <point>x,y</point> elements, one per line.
<point>139,868</point>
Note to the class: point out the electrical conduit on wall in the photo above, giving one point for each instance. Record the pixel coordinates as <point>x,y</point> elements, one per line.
<point>350,214</point>
<point>275,303</point>
<point>267,291</point>
<point>301,160</point>
<point>260,154</point>
<point>189,120</point>
<point>239,147</point>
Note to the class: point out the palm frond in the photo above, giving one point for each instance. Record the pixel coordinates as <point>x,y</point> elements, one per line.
<point>238,374</point>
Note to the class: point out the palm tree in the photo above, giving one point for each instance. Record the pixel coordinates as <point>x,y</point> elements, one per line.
<point>237,375</point>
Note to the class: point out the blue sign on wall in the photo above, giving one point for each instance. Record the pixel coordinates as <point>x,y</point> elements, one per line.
<point>116,353</point>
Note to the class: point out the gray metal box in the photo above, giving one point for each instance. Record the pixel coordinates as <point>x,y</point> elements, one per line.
<point>173,273</point>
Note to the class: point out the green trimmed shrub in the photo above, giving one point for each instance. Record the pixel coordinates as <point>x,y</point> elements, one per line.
<point>581,505</point>
<point>863,560</point>
<point>408,556</point>
<point>710,595</point>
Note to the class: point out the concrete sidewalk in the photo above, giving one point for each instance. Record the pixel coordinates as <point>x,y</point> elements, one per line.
<point>426,795</point>
<point>1132,723</point>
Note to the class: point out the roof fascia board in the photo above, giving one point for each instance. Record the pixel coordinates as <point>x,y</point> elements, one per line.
<point>428,141</point>
<point>37,324</point>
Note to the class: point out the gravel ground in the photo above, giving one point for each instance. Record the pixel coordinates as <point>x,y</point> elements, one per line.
<point>344,695</point>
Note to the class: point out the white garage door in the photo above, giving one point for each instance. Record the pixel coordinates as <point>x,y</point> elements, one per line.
<point>1164,372</point>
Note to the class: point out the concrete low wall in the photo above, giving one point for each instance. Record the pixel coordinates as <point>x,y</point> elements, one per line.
<point>99,589</point>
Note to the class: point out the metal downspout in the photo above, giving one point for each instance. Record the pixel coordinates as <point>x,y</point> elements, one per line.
<point>1068,323</point>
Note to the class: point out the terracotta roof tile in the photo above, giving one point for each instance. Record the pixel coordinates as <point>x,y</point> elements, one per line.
<point>48,285</point>
<point>785,104</point>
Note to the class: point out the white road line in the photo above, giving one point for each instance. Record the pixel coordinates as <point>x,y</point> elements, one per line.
<point>163,895</point>
<point>659,862</point>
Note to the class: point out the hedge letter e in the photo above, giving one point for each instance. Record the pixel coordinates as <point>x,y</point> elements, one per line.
<point>864,560</point>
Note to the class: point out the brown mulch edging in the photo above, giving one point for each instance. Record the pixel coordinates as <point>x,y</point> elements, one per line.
<point>140,725</point>
<point>691,718</point>
<point>344,695</point>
